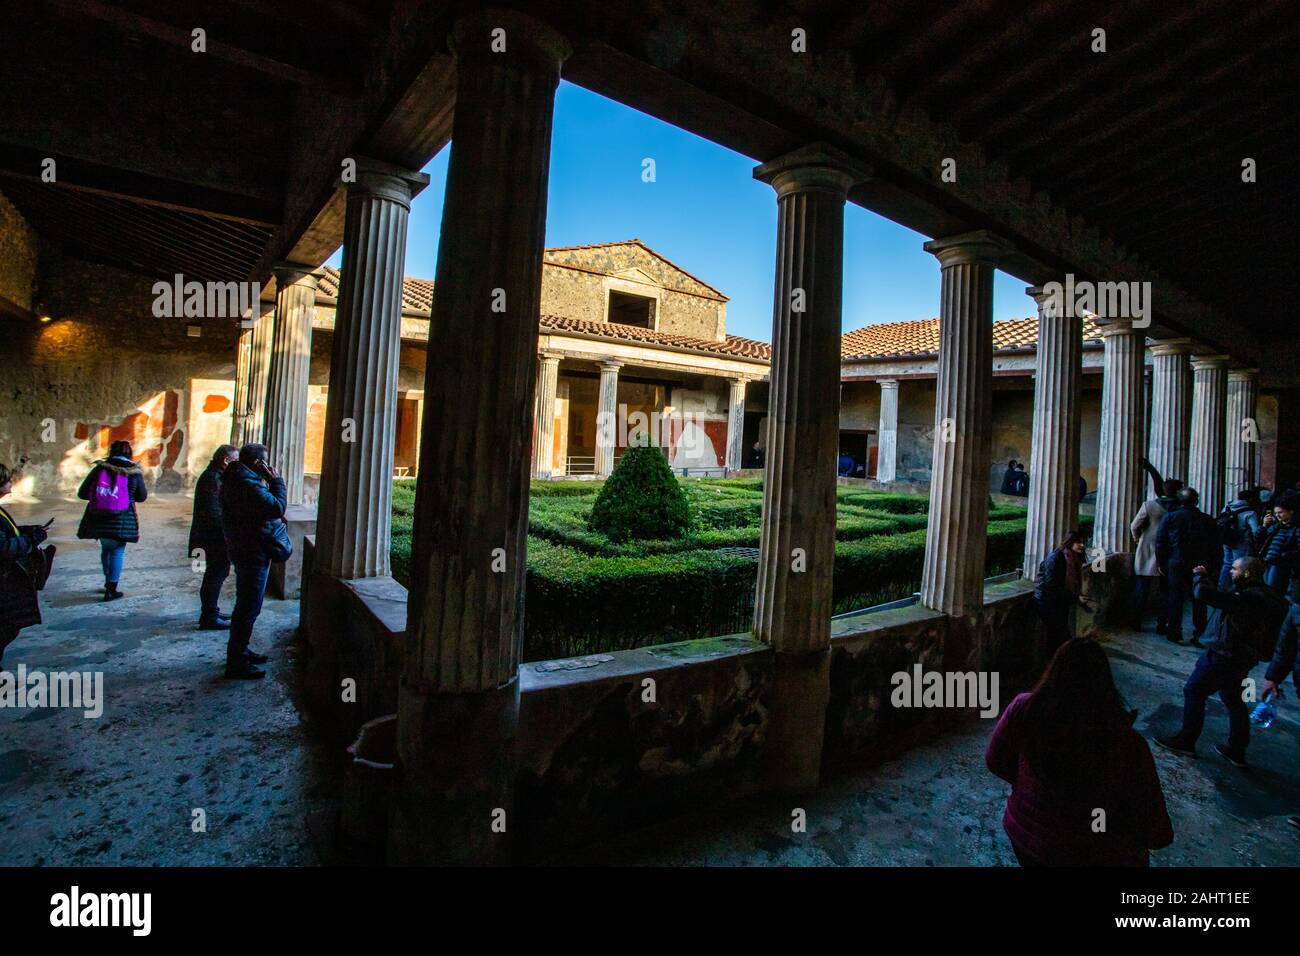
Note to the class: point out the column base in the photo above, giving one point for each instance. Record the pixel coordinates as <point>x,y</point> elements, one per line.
<point>456,768</point>
<point>792,753</point>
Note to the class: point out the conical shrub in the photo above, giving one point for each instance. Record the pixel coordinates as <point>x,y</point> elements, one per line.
<point>641,500</point>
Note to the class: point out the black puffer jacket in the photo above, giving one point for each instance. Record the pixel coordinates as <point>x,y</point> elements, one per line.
<point>121,525</point>
<point>1244,620</point>
<point>1187,537</point>
<point>19,606</point>
<point>205,528</point>
<point>1285,659</point>
<point>251,507</point>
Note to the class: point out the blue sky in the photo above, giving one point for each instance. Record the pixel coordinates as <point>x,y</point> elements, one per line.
<point>705,212</point>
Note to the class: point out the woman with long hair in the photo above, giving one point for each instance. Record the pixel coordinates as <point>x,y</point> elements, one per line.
<point>1057,588</point>
<point>111,492</point>
<point>1084,790</point>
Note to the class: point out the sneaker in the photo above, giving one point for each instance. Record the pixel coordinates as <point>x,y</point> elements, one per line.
<point>214,624</point>
<point>1174,745</point>
<point>243,670</point>
<point>113,595</point>
<point>1228,755</point>
<point>255,658</point>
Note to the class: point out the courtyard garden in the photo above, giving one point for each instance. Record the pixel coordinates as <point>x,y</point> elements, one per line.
<point>645,562</point>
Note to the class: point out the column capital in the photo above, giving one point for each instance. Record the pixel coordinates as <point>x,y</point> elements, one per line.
<point>610,365</point>
<point>738,380</point>
<point>1200,362</point>
<point>980,246</point>
<point>1242,374</point>
<point>295,273</point>
<point>550,356</point>
<point>476,35</point>
<point>1111,327</point>
<point>817,167</point>
<point>1169,346</point>
<point>887,383</point>
<point>381,180</point>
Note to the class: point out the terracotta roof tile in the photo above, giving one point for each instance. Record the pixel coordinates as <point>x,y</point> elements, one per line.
<point>417,294</point>
<point>921,338</point>
<point>732,345</point>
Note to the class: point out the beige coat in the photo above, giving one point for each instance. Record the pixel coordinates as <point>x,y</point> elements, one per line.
<point>1144,526</point>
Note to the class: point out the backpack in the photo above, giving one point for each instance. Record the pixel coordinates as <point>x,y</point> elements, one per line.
<point>112,491</point>
<point>1229,527</point>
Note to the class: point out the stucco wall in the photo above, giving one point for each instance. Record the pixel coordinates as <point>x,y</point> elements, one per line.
<point>104,368</point>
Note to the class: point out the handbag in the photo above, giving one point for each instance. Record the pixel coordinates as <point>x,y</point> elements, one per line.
<point>279,548</point>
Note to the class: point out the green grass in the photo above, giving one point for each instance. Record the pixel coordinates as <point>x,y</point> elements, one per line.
<point>586,593</point>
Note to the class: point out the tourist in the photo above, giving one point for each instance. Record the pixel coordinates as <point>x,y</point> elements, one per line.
<point>1245,616</point>
<point>1239,531</point>
<point>1146,566</point>
<point>846,465</point>
<point>253,499</point>
<point>1285,661</point>
<point>1057,588</point>
<point>111,490</point>
<point>1187,537</point>
<point>24,566</point>
<point>1083,488</point>
<point>1279,545</point>
<point>208,539</point>
<point>1070,753</point>
<point>1009,477</point>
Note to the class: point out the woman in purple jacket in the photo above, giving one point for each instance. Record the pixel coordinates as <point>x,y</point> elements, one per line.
<point>1084,790</point>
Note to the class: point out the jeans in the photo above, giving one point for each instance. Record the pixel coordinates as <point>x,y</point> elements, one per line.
<point>1142,587</point>
<point>1179,591</point>
<point>1056,623</point>
<point>216,570</point>
<point>111,555</point>
<point>250,587</point>
<point>1277,577</point>
<point>1216,674</point>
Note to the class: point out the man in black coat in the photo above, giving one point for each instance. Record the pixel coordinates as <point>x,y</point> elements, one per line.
<point>253,499</point>
<point>208,541</point>
<point>1187,538</point>
<point>1243,616</point>
<point>1285,661</point>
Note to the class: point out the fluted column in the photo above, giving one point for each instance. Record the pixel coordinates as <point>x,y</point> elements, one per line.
<point>1209,412</point>
<point>285,429</point>
<point>548,380</point>
<point>1054,444</point>
<point>259,368</point>
<point>793,600</point>
<point>239,407</point>
<point>354,515</point>
<point>736,424</point>
<point>887,442</point>
<point>1241,438</point>
<point>607,418</point>
<point>458,701</point>
<point>952,578</point>
<point>1120,476</point>
<point>1171,406</point>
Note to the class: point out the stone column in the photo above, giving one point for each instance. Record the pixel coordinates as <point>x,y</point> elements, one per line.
<point>736,425</point>
<point>356,484</point>
<point>793,601</point>
<point>548,379</point>
<point>1171,406</point>
<point>1120,476</point>
<point>607,418</point>
<point>1054,444</point>
<point>1241,438</point>
<point>259,367</point>
<point>952,578</point>
<point>458,702</point>
<point>239,408</point>
<point>887,443</point>
<point>1209,410</point>
<point>285,430</point>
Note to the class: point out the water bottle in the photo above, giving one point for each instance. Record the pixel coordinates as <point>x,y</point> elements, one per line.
<point>1264,712</point>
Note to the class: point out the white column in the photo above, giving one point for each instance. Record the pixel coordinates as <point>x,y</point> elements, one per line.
<point>1054,444</point>
<point>607,418</point>
<point>736,424</point>
<point>887,442</point>
<point>1241,439</point>
<point>1171,406</point>
<point>1120,476</point>
<point>354,516</point>
<point>239,408</point>
<point>1209,412</point>
<point>548,378</point>
<point>259,367</point>
<point>285,430</point>
<point>952,578</point>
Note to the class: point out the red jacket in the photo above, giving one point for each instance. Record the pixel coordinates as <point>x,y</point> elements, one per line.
<point>1056,826</point>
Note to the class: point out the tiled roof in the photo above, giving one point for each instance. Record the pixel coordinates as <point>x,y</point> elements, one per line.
<point>734,345</point>
<point>417,294</point>
<point>921,338</point>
